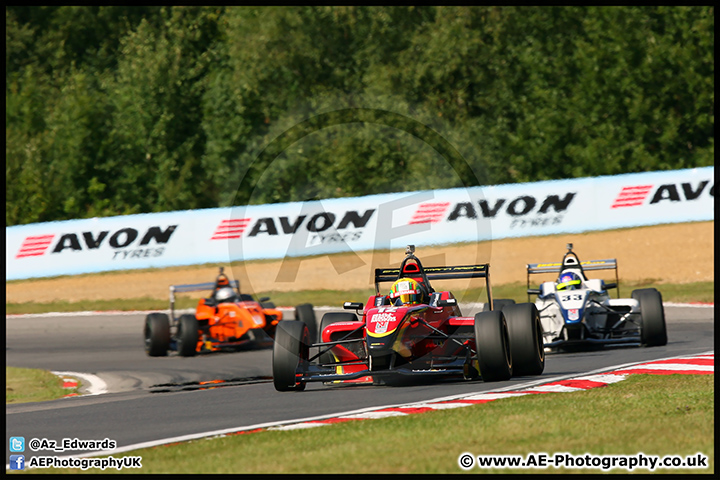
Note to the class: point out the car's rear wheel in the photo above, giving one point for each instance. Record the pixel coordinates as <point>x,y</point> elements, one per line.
<point>157,334</point>
<point>187,335</point>
<point>306,314</point>
<point>290,355</point>
<point>501,303</point>
<point>493,346</point>
<point>526,339</point>
<point>652,314</point>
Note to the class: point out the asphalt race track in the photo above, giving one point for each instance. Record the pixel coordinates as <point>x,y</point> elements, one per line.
<point>151,399</point>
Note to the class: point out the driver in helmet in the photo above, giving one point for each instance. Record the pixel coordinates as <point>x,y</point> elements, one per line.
<point>568,281</point>
<point>407,291</point>
<point>225,295</point>
<point>223,292</point>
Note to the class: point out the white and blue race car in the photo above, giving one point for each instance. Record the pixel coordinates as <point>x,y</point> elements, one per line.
<point>577,311</point>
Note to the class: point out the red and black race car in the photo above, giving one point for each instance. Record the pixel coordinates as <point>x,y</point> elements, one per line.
<point>414,330</point>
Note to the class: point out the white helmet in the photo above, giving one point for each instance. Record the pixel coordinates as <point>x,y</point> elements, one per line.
<point>225,294</point>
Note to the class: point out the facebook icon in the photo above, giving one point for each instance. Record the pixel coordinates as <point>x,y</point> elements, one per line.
<point>17,462</point>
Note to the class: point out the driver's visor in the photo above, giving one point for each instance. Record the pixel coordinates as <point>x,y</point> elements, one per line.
<point>564,285</point>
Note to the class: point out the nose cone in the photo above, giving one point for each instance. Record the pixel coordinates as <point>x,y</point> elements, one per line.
<point>381,328</point>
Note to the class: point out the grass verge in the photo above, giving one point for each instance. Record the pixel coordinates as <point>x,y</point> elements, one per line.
<point>649,414</point>
<point>24,385</point>
<point>685,292</point>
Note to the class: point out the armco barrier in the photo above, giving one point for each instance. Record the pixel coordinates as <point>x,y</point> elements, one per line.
<point>372,222</point>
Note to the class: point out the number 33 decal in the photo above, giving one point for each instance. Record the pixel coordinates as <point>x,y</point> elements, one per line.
<point>575,296</point>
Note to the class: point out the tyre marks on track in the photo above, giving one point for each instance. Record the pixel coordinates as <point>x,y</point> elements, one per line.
<point>208,385</point>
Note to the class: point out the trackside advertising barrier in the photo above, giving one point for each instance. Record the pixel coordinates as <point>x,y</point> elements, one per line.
<point>385,221</point>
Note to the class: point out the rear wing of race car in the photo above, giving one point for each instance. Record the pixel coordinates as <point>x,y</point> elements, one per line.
<point>194,287</point>
<point>439,273</point>
<point>556,267</point>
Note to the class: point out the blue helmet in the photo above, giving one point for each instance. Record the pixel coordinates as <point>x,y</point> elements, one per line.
<point>568,281</point>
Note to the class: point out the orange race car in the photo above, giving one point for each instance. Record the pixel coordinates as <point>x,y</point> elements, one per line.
<point>227,319</point>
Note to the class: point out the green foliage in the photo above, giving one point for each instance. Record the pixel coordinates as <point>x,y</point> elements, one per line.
<point>23,385</point>
<point>115,110</point>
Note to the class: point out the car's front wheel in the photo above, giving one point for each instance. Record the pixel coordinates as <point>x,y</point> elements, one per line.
<point>306,314</point>
<point>652,331</point>
<point>492,342</point>
<point>187,335</point>
<point>526,338</point>
<point>290,355</point>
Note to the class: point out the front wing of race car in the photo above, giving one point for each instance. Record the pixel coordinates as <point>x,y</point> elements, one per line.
<point>313,375</point>
<point>315,369</point>
<point>329,373</point>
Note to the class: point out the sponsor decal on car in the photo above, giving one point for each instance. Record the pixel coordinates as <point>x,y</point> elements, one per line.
<point>257,319</point>
<point>405,291</point>
<point>382,317</point>
<point>403,288</point>
<point>382,321</point>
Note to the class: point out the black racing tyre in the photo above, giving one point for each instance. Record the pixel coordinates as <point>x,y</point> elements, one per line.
<point>157,334</point>
<point>500,303</point>
<point>652,314</point>
<point>493,346</point>
<point>187,335</point>
<point>290,352</point>
<point>327,319</point>
<point>306,314</point>
<point>526,338</point>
